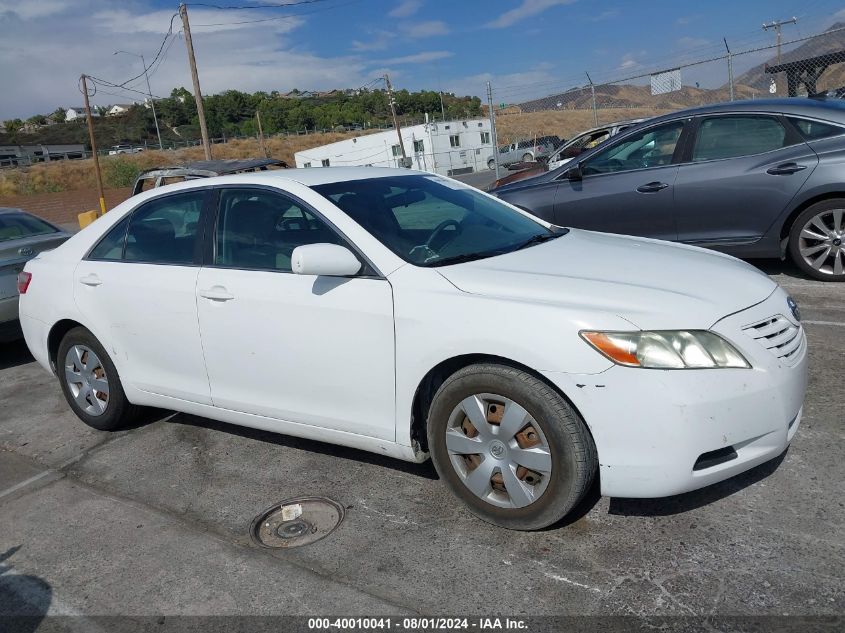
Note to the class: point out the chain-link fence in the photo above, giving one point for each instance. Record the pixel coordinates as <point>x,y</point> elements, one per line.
<point>802,66</point>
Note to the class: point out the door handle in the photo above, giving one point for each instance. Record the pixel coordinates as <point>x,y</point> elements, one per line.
<point>90,280</point>
<point>216,293</point>
<point>785,169</point>
<point>652,187</point>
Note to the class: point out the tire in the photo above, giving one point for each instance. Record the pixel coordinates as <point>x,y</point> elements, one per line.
<point>563,443</point>
<point>491,164</point>
<point>106,409</point>
<point>812,261</point>
<point>527,157</point>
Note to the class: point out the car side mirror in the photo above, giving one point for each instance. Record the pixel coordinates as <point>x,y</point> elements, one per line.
<point>324,259</point>
<point>574,172</point>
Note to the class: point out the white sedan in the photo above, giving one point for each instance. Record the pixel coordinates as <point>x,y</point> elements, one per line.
<point>410,315</point>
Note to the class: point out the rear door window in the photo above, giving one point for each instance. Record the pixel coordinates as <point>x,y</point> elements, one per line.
<point>733,136</point>
<point>164,230</point>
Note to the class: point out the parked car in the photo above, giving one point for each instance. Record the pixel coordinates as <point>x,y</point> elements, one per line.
<point>161,176</point>
<point>569,150</point>
<point>411,315</point>
<point>751,178</point>
<point>526,151</point>
<point>125,149</point>
<point>22,237</point>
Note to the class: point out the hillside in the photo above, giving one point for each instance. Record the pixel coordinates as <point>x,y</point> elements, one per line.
<point>753,83</point>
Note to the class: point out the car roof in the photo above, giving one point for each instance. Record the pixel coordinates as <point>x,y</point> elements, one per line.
<point>213,167</point>
<point>824,108</point>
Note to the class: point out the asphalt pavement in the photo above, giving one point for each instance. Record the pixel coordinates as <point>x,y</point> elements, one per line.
<point>154,520</point>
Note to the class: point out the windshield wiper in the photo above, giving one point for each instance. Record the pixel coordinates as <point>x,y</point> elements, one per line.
<point>466,257</point>
<point>538,239</point>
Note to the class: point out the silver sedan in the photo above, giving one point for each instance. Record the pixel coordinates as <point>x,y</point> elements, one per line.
<point>22,237</point>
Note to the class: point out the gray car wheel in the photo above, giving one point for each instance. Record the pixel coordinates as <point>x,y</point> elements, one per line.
<point>816,240</point>
<point>510,447</point>
<point>90,382</point>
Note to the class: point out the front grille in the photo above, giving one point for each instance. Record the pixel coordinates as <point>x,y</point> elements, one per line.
<point>778,335</point>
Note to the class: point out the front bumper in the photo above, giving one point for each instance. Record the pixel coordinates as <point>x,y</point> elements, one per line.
<point>652,427</point>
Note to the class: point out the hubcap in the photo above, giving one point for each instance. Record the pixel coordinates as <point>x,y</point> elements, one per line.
<point>820,242</point>
<point>86,378</point>
<point>498,451</point>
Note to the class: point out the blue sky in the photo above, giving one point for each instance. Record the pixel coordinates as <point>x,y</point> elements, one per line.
<point>526,48</point>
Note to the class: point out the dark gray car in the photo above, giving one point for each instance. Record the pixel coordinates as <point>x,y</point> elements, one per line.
<point>753,178</point>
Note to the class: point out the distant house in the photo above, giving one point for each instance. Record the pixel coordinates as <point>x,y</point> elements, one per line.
<point>72,114</point>
<point>119,108</point>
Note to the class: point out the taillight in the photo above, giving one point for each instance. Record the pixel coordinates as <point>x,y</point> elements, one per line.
<point>23,281</point>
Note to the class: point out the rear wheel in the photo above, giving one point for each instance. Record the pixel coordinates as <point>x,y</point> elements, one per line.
<point>90,382</point>
<point>491,164</point>
<point>816,240</point>
<point>527,157</point>
<point>510,447</point>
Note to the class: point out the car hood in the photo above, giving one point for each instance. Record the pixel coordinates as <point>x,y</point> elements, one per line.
<point>651,284</point>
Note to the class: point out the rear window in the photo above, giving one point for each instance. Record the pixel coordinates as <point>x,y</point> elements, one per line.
<point>732,136</point>
<point>814,130</point>
<point>14,226</point>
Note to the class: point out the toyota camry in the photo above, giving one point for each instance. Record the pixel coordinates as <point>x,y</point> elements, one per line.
<point>410,315</point>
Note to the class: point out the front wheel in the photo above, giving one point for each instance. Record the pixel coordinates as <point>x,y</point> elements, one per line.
<point>816,240</point>
<point>510,447</point>
<point>90,382</point>
<point>491,164</point>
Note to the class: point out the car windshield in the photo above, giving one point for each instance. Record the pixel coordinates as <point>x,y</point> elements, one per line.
<point>432,221</point>
<point>15,226</point>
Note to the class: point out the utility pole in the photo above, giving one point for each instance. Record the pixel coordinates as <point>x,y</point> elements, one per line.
<point>492,113</point>
<point>392,102</point>
<point>261,134</point>
<point>442,109</point>
<point>776,25</point>
<point>593,92</point>
<point>149,92</point>
<point>183,11</point>
<point>84,80</point>
<point>730,69</point>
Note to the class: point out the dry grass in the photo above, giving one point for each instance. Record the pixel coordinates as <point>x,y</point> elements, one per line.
<point>565,123</point>
<point>79,174</point>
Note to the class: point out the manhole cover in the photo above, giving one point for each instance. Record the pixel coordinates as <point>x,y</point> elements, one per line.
<point>296,522</point>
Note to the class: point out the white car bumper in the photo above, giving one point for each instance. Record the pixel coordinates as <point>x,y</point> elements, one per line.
<point>665,432</point>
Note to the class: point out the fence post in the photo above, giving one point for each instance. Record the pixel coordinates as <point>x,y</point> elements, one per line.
<point>593,91</point>
<point>730,69</point>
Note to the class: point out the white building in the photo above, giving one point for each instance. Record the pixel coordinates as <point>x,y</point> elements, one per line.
<point>72,114</point>
<point>448,148</point>
<point>118,109</point>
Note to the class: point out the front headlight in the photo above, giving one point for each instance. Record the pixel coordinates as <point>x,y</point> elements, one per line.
<point>669,349</point>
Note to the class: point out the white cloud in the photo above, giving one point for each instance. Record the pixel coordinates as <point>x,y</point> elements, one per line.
<point>606,15</point>
<point>417,58</point>
<point>379,41</point>
<point>405,9</point>
<point>526,9</point>
<point>249,57</point>
<point>31,9</point>
<point>429,28</point>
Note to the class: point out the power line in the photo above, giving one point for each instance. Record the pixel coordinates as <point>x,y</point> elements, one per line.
<point>160,48</point>
<point>255,6</point>
<point>278,17</point>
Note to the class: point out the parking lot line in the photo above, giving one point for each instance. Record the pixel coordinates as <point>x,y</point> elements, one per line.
<point>25,483</point>
<point>837,323</point>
